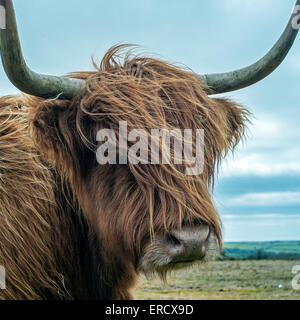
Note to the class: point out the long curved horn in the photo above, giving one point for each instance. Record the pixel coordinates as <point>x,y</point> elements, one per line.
<point>28,81</point>
<point>238,79</point>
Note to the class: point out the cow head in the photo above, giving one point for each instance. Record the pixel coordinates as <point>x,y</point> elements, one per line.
<point>151,217</point>
<point>156,216</point>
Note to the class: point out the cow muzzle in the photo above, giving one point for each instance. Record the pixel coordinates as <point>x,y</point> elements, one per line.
<point>177,248</point>
<point>187,244</point>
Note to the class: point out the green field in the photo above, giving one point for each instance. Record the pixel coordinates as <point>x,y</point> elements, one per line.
<point>234,280</point>
<point>242,249</point>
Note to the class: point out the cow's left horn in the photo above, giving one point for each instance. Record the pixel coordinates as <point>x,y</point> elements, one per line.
<point>40,85</point>
<point>238,79</point>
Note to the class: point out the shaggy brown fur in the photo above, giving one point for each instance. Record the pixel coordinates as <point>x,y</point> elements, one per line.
<point>48,248</point>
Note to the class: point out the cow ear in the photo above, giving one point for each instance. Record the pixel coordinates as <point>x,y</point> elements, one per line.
<point>237,118</point>
<point>52,124</point>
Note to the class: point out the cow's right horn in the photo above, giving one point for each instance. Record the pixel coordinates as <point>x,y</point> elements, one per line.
<point>26,80</point>
<point>238,79</point>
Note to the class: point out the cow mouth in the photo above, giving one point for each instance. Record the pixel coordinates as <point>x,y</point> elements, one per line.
<point>182,262</point>
<point>178,249</point>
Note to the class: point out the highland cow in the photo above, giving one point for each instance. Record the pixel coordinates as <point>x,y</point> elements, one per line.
<point>71,228</point>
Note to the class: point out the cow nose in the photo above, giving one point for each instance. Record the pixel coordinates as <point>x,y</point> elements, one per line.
<point>188,244</point>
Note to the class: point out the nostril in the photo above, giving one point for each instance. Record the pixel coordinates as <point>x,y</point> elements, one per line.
<point>171,239</point>
<point>193,236</point>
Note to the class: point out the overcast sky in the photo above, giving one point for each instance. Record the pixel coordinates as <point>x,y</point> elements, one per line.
<point>258,190</point>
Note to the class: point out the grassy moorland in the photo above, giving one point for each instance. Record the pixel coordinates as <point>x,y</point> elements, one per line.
<point>272,249</point>
<point>236,279</point>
